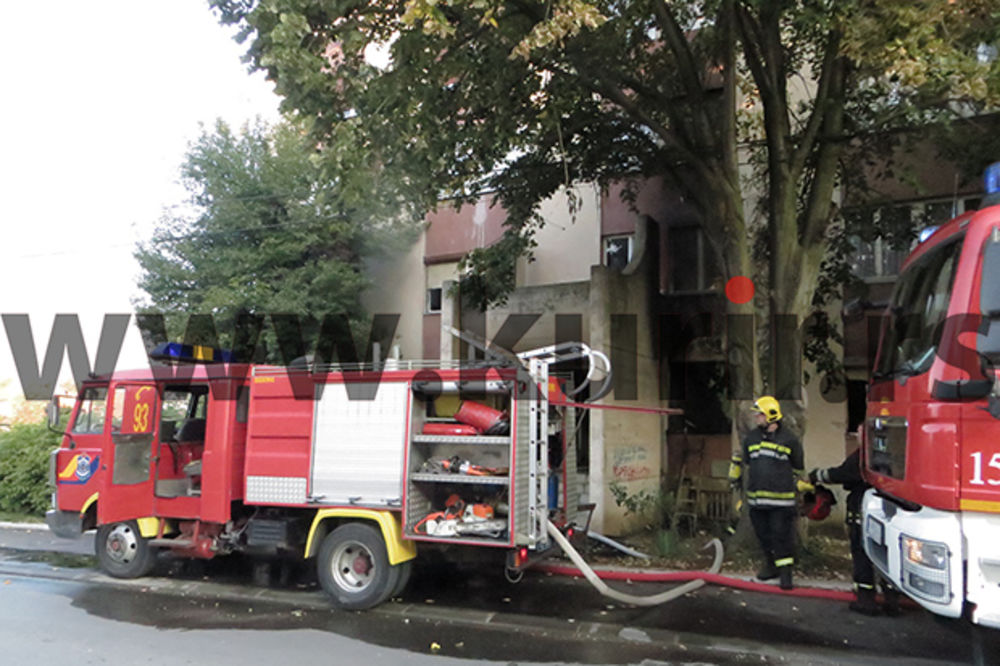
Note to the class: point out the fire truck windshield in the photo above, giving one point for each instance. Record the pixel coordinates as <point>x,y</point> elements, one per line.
<point>919,307</point>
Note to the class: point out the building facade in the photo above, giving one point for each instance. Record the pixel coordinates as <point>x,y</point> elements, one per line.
<point>637,280</point>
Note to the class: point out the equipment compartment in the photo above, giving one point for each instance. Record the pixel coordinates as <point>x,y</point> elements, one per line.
<point>458,486</point>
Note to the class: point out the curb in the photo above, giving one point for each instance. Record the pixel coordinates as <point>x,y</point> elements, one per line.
<point>23,526</point>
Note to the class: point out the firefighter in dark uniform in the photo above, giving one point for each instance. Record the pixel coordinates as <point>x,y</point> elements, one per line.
<point>772,456</point>
<point>848,474</point>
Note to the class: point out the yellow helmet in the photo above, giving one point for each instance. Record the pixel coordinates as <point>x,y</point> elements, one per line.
<point>769,407</point>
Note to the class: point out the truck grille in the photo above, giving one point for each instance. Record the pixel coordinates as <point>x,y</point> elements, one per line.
<point>887,446</point>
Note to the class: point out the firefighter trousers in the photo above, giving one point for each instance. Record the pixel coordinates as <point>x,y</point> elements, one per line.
<point>864,572</point>
<point>775,529</point>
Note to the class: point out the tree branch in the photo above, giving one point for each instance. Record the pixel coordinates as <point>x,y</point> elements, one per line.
<point>607,88</point>
<point>752,40</point>
<point>818,207</point>
<point>729,144</point>
<point>831,70</point>
<point>688,69</point>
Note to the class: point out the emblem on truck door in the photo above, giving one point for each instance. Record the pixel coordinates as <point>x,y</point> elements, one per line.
<point>79,469</point>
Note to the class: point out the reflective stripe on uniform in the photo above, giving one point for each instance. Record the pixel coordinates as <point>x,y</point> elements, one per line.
<point>770,445</point>
<point>753,501</point>
<point>784,562</point>
<point>768,494</point>
<point>864,586</point>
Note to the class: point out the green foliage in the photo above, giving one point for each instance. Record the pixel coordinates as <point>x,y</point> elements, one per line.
<point>656,507</point>
<point>24,465</point>
<point>273,225</point>
<point>520,99</point>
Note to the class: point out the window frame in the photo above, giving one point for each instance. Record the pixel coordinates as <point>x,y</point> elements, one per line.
<point>703,280</point>
<point>428,301</point>
<point>629,249</point>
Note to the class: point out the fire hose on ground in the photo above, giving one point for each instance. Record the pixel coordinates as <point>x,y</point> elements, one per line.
<point>692,580</point>
<point>603,588</point>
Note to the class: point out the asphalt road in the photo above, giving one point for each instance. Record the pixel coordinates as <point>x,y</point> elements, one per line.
<point>461,612</point>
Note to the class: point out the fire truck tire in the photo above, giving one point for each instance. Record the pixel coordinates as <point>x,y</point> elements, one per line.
<point>405,571</point>
<point>122,551</point>
<point>353,567</point>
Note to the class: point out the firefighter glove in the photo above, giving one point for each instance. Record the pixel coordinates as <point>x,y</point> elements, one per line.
<point>804,486</point>
<point>735,469</point>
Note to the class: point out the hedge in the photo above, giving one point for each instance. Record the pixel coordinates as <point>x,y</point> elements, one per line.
<point>24,467</point>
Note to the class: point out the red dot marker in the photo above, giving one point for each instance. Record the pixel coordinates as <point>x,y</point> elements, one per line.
<point>739,289</point>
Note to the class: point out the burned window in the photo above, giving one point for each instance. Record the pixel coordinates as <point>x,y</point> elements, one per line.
<point>692,264</point>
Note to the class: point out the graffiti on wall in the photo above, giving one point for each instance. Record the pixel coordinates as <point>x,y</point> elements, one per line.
<point>630,463</point>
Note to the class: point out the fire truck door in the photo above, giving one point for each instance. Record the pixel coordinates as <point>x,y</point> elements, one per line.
<point>128,491</point>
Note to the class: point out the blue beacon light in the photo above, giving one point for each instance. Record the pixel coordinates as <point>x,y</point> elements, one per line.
<point>991,178</point>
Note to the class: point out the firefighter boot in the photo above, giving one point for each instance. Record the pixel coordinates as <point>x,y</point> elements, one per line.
<point>768,571</point>
<point>890,602</point>
<point>785,577</point>
<point>865,602</point>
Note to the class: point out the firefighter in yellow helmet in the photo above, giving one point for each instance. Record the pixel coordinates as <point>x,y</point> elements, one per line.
<point>772,457</point>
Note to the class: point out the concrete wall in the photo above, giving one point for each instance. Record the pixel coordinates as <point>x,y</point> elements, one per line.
<point>569,299</point>
<point>625,447</point>
<point>394,290</point>
<point>568,245</point>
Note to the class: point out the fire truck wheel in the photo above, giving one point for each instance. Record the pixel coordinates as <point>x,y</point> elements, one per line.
<point>354,569</point>
<point>122,551</point>
<point>405,571</point>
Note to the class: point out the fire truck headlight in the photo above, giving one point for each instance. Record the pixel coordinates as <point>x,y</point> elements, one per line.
<point>926,553</point>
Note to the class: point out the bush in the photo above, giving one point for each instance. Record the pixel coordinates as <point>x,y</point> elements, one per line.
<point>24,467</point>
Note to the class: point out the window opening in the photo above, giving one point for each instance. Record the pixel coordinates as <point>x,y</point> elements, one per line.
<point>692,263</point>
<point>618,251</point>
<point>434,300</point>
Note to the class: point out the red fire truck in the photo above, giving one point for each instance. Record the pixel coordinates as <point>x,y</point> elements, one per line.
<point>932,440</point>
<point>355,467</point>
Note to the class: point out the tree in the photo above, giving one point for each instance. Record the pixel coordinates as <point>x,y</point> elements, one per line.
<point>755,110</point>
<point>272,226</point>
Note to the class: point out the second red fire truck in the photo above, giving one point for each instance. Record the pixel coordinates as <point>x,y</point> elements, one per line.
<point>932,440</point>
